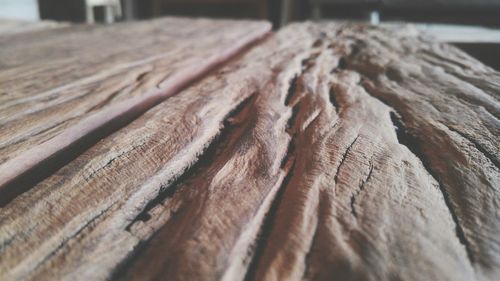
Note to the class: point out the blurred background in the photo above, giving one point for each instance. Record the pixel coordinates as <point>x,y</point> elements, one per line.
<point>473,25</point>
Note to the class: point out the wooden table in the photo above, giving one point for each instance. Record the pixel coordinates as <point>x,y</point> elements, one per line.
<point>325,151</point>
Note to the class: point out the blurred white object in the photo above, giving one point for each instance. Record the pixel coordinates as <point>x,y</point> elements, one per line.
<point>461,33</point>
<point>449,33</point>
<point>374,17</point>
<point>19,9</point>
<point>112,9</point>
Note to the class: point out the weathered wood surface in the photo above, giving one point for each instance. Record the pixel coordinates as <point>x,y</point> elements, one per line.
<point>59,86</point>
<point>327,152</point>
<point>12,26</point>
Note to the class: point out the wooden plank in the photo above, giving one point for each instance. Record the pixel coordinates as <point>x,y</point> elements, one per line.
<point>328,151</point>
<point>127,171</point>
<point>61,86</point>
<point>11,26</point>
<point>450,110</point>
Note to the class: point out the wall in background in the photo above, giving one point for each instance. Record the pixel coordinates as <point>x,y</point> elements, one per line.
<point>19,9</point>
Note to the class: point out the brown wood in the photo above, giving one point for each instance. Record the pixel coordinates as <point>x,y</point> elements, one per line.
<point>327,152</point>
<point>12,26</point>
<point>62,85</point>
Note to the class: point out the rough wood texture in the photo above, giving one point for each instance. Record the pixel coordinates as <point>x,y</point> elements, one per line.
<point>11,26</point>
<point>62,85</point>
<point>327,152</point>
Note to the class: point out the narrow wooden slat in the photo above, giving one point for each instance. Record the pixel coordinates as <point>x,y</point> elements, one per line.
<point>60,86</point>
<point>327,152</point>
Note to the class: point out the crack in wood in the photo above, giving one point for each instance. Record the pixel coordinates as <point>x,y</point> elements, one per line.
<point>28,179</point>
<point>107,100</point>
<point>477,145</point>
<point>291,90</point>
<point>39,131</point>
<point>310,61</point>
<point>261,195</point>
<point>342,64</point>
<point>361,188</point>
<point>230,123</point>
<point>73,141</point>
<point>317,43</point>
<point>85,227</point>
<point>413,144</point>
<point>266,228</point>
<point>333,99</point>
<point>215,149</point>
<point>291,125</point>
<point>288,164</point>
<point>307,257</point>
<point>140,78</point>
<point>343,159</point>
<point>109,162</point>
<point>289,152</point>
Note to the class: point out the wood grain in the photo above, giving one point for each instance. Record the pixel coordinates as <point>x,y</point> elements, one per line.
<point>328,152</point>
<point>62,85</point>
<point>13,26</point>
